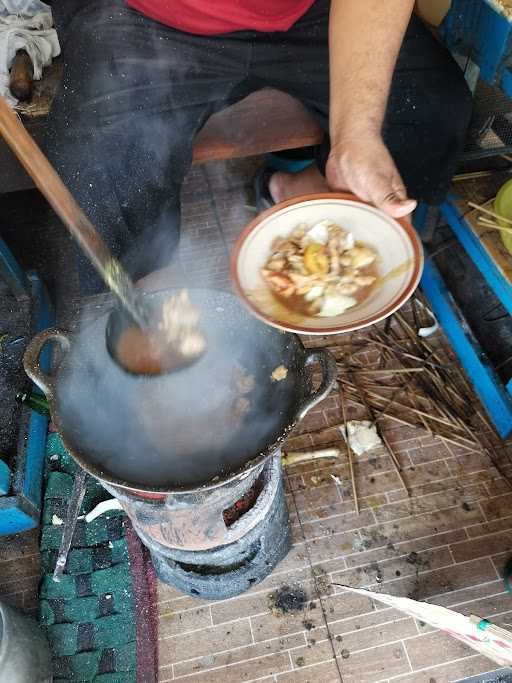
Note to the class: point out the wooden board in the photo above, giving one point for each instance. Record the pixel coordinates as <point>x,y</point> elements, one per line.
<point>489,239</point>
<point>266,121</point>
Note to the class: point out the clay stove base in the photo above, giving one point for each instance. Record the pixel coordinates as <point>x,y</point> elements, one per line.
<point>232,569</point>
<point>205,543</point>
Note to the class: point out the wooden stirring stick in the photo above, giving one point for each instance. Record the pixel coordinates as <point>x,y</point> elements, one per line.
<point>51,186</point>
<point>489,212</point>
<point>487,223</point>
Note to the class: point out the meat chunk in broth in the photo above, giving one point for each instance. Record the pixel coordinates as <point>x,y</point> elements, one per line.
<point>320,270</point>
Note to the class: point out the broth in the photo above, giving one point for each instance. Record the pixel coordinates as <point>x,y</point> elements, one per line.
<point>144,352</point>
<point>173,340</point>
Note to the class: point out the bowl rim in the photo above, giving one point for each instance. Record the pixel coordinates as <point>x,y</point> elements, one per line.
<point>418,259</point>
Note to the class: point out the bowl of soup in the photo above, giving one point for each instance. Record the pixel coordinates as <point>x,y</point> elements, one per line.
<point>326,264</point>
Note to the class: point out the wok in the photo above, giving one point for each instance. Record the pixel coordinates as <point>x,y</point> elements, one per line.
<point>180,431</point>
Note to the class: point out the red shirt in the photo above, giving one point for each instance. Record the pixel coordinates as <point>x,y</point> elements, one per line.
<point>210,17</point>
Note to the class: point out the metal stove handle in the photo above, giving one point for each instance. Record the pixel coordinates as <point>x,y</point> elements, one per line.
<point>329,371</point>
<point>31,359</point>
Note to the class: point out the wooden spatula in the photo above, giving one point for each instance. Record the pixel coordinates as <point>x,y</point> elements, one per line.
<point>90,241</point>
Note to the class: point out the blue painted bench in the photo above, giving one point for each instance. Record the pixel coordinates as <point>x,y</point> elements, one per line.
<point>21,488</point>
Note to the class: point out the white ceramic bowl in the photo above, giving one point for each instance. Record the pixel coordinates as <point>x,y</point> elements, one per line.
<point>395,240</point>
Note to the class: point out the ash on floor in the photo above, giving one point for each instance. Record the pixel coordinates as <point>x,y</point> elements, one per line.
<point>287,599</point>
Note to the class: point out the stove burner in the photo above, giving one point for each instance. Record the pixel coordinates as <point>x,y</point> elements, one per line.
<point>216,543</point>
<point>245,503</point>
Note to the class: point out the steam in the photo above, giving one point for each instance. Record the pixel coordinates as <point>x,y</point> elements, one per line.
<point>177,429</point>
<point>181,428</point>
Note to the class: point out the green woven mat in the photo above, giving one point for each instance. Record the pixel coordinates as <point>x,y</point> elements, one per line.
<point>89,617</point>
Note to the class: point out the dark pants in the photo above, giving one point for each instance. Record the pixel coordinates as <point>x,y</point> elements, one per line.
<point>136,92</point>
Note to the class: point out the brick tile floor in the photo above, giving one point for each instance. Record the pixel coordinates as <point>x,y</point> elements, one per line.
<point>446,547</point>
<point>446,543</point>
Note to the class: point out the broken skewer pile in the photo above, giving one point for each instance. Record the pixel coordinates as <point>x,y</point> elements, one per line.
<point>410,383</point>
<point>492,220</point>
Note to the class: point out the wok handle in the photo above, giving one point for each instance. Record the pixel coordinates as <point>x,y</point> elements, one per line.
<point>329,372</point>
<point>32,356</point>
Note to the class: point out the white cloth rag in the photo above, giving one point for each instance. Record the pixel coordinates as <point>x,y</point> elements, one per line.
<point>25,25</point>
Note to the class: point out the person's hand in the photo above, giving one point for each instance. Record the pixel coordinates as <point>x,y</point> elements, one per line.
<point>364,167</point>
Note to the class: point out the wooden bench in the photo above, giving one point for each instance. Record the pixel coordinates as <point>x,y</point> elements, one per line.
<point>266,121</point>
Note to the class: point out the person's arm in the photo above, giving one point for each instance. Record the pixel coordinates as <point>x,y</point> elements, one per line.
<point>364,40</point>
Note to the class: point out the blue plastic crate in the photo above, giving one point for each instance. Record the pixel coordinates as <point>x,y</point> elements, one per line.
<point>479,30</point>
<point>20,510</point>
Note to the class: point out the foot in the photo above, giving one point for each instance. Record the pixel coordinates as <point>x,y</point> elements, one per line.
<point>284,186</point>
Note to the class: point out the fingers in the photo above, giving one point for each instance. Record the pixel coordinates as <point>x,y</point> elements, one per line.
<point>389,194</point>
<point>397,205</point>
<point>372,176</point>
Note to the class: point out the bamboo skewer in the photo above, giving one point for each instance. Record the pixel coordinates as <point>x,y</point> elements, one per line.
<point>422,418</point>
<point>410,384</point>
<point>448,447</point>
<point>392,372</point>
<point>395,462</point>
<point>386,443</point>
<point>349,449</point>
<point>385,371</point>
<point>490,221</point>
<point>494,226</point>
<point>471,176</point>
<point>478,207</point>
<point>419,412</point>
<point>406,354</point>
<point>407,423</point>
<point>442,383</point>
<point>389,404</point>
<point>401,406</point>
<point>449,417</point>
